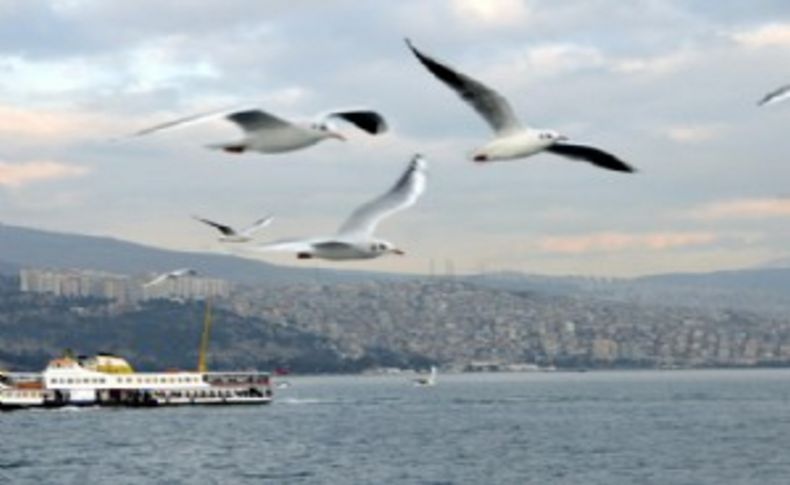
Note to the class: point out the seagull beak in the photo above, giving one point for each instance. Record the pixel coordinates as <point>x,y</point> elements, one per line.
<point>399,252</point>
<point>562,138</point>
<point>337,135</point>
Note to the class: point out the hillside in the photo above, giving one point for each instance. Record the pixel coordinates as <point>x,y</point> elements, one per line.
<point>457,323</point>
<point>164,334</point>
<point>24,247</point>
<point>351,327</point>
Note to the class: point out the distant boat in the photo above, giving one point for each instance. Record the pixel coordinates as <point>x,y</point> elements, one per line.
<point>428,381</point>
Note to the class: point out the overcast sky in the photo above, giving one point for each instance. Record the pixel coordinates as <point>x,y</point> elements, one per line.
<point>669,86</point>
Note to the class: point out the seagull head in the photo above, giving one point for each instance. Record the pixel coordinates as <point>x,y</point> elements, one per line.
<point>386,247</point>
<point>552,136</point>
<point>328,131</point>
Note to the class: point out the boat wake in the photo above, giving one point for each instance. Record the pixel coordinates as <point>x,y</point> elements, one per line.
<point>299,401</point>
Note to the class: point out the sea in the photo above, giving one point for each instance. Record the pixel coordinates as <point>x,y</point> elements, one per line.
<point>624,427</point>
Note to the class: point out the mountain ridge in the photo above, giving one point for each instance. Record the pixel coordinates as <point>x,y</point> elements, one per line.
<point>28,247</point>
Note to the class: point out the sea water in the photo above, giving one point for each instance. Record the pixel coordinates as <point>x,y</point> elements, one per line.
<point>637,427</point>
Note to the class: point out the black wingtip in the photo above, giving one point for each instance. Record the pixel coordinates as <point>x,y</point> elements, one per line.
<point>593,155</point>
<point>629,169</point>
<point>412,48</point>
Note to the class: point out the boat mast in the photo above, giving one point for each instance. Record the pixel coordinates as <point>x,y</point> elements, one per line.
<point>204,339</point>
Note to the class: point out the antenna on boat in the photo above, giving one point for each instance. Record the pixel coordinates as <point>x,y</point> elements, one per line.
<point>202,367</point>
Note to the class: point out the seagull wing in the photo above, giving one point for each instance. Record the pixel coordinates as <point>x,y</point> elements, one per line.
<point>589,154</point>
<point>287,245</point>
<point>182,272</point>
<point>176,273</point>
<point>364,119</point>
<point>186,120</point>
<point>255,120</point>
<point>775,96</point>
<point>226,230</point>
<point>405,192</point>
<point>488,103</point>
<point>257,225</point>
<point>157,280</point>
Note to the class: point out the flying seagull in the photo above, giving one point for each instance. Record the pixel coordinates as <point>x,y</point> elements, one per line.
<point>171,275</point>
<point>513,140</point>
<point>354,239</point>
<point>267,133</point>
<point>231,235</point>
<point>775,96</point>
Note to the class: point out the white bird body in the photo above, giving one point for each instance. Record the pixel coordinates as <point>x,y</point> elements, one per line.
<point>235,239</point>
<point>339,250</point>
<point>518,144</point>
<point>278,140</point>
<point>354,240</point>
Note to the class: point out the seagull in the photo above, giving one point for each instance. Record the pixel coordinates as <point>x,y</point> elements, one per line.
<point>775,96</point>
<point>267,133</point>
<point>176,273</point>
<point>231,235</point>
<point>513,140</point>
<point>354,240</point>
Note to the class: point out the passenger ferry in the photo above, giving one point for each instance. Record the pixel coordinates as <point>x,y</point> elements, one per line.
<point>108,380</point>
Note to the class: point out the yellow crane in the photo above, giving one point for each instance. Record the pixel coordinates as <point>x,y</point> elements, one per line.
<point>202,367</point>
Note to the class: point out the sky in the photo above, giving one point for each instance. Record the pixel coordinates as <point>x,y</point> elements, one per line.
<point>669,86</point>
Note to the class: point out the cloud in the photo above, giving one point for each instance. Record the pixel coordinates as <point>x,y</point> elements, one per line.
<point>773,34</point>
<point>694,133</point>
<point>556,58</point>
<point>18,122</point>
<point>621,241</point>
<point>18,175</point>
<point>661,64</point>
<point>756,208</point>
<point>491,13</point>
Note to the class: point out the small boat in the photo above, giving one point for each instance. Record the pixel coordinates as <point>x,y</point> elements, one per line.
<point>428,381</point>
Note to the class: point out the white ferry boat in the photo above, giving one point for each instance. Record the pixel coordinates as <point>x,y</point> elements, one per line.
<point>108,380</point>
